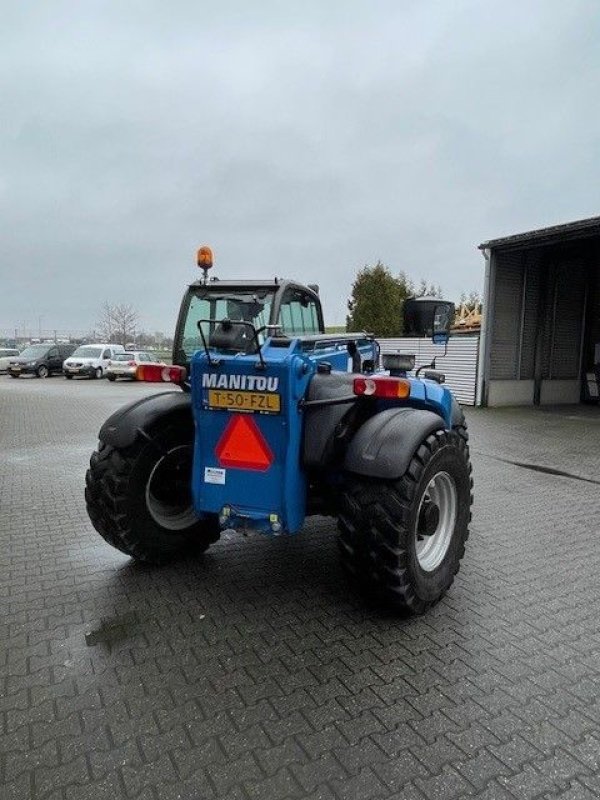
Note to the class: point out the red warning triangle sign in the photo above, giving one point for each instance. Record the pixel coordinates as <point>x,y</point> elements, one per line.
<point>243,446</point>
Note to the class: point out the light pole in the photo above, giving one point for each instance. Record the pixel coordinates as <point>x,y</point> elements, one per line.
<point>40,318</point>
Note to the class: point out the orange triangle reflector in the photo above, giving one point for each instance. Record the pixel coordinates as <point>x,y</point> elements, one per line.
<point>243,446</point>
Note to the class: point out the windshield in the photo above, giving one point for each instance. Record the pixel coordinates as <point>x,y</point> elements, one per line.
<point>35,351</point>
<point>87,352</point>
<point>253,307</point>
<point>124,357</point>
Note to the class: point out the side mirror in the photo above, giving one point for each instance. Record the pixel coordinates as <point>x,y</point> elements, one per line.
<point>428,317</point>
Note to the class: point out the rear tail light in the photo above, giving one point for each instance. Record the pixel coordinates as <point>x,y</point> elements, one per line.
<point>386,387</point>
<point>157,373</point>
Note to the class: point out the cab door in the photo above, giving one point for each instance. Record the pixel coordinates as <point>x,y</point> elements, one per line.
<point>299,313</point>
<point>106,356</point>
<point>54,360</point>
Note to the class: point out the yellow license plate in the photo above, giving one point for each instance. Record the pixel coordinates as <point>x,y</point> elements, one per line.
<point>244,401</point>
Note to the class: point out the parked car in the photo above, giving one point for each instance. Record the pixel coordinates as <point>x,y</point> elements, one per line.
<point>91,360</point>
<point>125,365</point>
<point>40,360</point>
<point>6,353</point>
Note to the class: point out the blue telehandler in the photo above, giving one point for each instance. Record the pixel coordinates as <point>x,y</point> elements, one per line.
<point>274,420</point>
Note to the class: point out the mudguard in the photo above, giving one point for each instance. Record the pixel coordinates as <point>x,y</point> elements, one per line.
<point>385,444</point>
<point>123,427</point>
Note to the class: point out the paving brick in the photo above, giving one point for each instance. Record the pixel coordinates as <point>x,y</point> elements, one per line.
<point>317,743</point>
<point>445,786</point>
<point>528,783</point>
<point>437,755</point>
<point>362,754</point>
<point>280,785</point>
<point>481,768</point>
<point>319,771</point>
<point>575,792</point>
<point>365,785</point>
<point>396,773</point>
<point>234,772</point>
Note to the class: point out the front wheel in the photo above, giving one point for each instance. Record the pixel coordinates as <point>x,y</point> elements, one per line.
<point>97,373</point>
<point>403,540</point>
<point>139,498</point>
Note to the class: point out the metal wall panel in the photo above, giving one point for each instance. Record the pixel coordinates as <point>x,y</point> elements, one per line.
<point>506,317</point>
<point>593,315</point>
<point>567,320</point>
<point>459,365</point>
<point>532,285</point>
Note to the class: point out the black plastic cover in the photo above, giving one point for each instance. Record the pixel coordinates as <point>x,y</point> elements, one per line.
<point>123,427</point>
<point>385,444</point>
<point>320,423</point>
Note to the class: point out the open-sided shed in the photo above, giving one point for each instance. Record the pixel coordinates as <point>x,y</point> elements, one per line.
<point>541,316</point>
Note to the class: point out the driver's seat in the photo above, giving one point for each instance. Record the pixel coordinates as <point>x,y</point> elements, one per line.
<point>230,338</point>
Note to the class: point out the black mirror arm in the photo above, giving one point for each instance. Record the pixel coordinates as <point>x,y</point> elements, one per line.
<point>260,365</point>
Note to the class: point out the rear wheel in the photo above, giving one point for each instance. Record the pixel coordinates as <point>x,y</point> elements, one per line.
<point>403,540</point>
<point>139,498</point>
<point>111,377</point>
<point>42,371</point>
<point>68,377</point>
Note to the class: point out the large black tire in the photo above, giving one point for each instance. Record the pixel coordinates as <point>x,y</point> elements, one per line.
<point>386,527</point>
<point>111,378</point>
<point>139,498</point>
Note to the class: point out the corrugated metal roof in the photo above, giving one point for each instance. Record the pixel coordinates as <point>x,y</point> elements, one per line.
<point>569,230</point>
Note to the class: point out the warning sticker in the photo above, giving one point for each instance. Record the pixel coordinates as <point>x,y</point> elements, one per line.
<point>214,475</point>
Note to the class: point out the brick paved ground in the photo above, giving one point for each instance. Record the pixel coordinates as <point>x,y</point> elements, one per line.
<point>255,673</point>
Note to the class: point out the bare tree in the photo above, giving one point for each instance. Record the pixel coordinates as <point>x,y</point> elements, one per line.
<point>472,301</point>
<point>118,322</point>
<point>428,290</point>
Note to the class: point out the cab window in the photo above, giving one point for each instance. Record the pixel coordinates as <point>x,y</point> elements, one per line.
<point>106,353</point>
<point>298,314</point>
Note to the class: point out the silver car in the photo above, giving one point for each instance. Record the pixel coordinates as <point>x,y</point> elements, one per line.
<point>124,365</point>
<point>6,353</point>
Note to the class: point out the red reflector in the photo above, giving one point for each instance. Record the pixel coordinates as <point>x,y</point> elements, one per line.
<point>157,373</point>
<point>384,386</point>
<point>243,446</point>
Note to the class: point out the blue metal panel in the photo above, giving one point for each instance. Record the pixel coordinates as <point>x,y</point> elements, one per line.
<point>432,397</point>
<point>265,500</point>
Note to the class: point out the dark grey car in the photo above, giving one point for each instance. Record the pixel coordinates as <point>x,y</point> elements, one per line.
<point>40,359</point>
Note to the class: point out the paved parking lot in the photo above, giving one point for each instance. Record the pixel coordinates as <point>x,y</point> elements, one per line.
<point>255,673</point>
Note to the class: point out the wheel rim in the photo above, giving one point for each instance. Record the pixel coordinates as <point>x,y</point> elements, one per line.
<point>168,491</point>
<point>431,547</point>
<point>99,373</point>
<point>43,372</point>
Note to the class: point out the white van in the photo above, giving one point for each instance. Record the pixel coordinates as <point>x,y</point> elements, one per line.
<point>91,360</point>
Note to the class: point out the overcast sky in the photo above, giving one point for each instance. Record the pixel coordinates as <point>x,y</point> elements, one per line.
<point>301,139</point>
